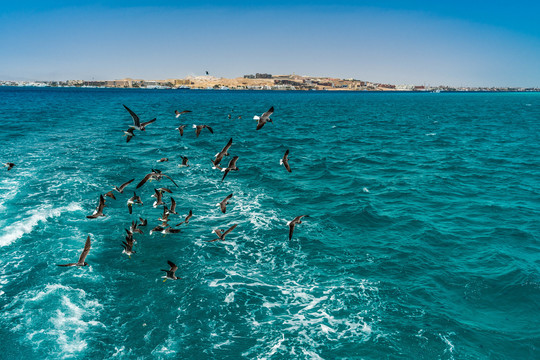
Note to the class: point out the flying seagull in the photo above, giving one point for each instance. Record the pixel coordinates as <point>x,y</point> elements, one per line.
<point>159,198</point>
<point>186,221</point>
<point>84,253</point>
<point>184,161</point>
<point>178,113</point>
<point>137,122</point>
<point>221,234</point>
<point>172,210</point>
<point>129,133</point>
<point>99,209</point>
<point>9,165</point>
<point>231,166</point>
<point>155,175</point>
<point>163,160</point>
<point>285,161</point>
<point>264,118</point>
<point>169,274</point>
<point>128,246</point>
<point>133,200</point>
<point>181,129</point>
<point>295,221</point>
<point>198,129</point>
<point>144,222</point>
<point>224,152</point>
<point>119,189</point>
<point>223,204</point>
<point>165,217</point>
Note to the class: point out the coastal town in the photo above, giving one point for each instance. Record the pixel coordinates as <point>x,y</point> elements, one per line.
<point>258,81</point>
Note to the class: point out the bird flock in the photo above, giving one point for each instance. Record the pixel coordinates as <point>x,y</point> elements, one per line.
<point>163,226</point>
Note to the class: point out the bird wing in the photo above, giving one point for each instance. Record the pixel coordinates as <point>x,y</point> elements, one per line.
<point>144,180</point>
<point>70,264</point>
<point>181,130</point>
<point>172,265</point>
<point>218,233</point>
<point>136,119</point>
<point>170,178</point>
<point>223,205</point>
<point>165,189</point>
<point>189,216</point>
<point>260,124</point>
<point>101,204</point>
<point>111,195</point>
<point>230,229</point>
<point>267,114</point>
<point>86,250</point>
<point>226,148</point>
<point>286,164</point>
<point>197,130</point>
<point>210,129</point>
<point>291,229</point>
<point>225,174</point>
<point>123,186</point>
<point>173,206</point>
<point>148,122</point>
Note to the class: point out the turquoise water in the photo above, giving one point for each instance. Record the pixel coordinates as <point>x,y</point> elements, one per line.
<point>422,240</point>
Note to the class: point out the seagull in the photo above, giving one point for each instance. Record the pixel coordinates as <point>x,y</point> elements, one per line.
<point>231,166</point>
<point>119,189</point>
<point>84,253</point>
<point>158,228</point>
<point>144,222</point>
<point>134,200</point>
<point>159,198</point>
<point>295,221</point>
<point>223,204</point>
<point>165,217</point>
<point>99,209</point>
<point>129,133</point>
<point>163,160</point>
<point>128,246</point>
<point>156,175</point>
<point>219,156</point>
<point>261,120</point>
<point>170,273</point>
<point>164,230</point>
<point>198,129</point>
<point>181,129</point>
<point>229,116</point>
<point>285,161</point>
<point>184,161</point>
<point>137,122</point>
<point>186,221</point>
<point>221,234</point>
<point>134,228</point>
<point>172,210</point>
<point>178,113</point>
<point>9,165</point>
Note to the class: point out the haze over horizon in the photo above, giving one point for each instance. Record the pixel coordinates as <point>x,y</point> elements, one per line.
<point>457,44</point>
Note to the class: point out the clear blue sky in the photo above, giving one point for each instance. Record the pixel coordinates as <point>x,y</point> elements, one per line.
<point>469,43</point>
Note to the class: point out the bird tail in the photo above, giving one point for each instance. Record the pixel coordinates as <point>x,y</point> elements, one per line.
<point>256,117</point>
<point>194,126</point>
<point>280,161</point>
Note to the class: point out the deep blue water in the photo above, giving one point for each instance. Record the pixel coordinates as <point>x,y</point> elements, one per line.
<point>422,241</point>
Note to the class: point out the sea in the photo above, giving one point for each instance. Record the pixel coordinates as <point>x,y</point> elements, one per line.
<point>422,241</point>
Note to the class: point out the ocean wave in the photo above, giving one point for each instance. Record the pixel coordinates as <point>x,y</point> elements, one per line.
<point>33,218</point>
<point>55,318</point>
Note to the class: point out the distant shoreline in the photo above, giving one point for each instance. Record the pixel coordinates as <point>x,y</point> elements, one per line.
<point>263,82</point>
<point>33,87</point>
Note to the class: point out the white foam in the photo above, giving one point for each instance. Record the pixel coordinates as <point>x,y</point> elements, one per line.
<point>32,218</point>
<point>229,298</point>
